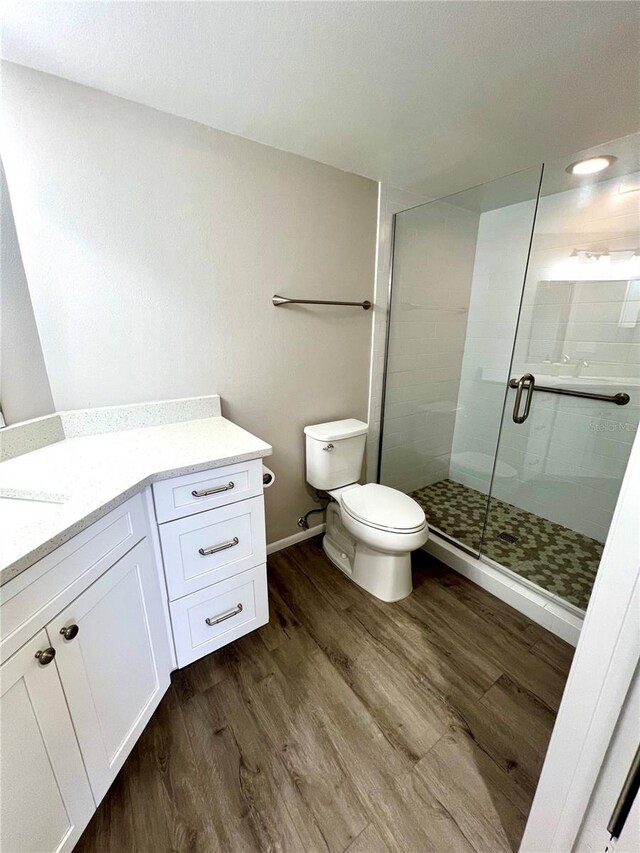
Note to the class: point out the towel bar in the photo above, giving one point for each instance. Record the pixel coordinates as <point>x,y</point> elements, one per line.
<point>620,399</point>
<point>284,300</point>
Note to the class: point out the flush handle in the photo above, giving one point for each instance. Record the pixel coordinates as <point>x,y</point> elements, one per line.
<point>527,380</point>
<point>328,447</point>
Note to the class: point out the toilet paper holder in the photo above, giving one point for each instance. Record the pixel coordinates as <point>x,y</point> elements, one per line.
<point>268,477</point>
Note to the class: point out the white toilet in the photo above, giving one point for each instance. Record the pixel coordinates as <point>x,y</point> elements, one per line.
<point>372,529</point>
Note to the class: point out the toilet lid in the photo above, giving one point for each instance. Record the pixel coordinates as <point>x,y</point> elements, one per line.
<point>384,508</point>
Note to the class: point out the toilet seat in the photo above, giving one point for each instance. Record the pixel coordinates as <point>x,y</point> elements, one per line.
<point>383,508</point>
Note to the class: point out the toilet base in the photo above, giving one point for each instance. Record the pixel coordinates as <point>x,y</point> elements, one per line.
<point>385,576</point>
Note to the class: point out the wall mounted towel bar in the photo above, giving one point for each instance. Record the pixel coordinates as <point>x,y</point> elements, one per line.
<point>284,300</point>
<point>620,399</point>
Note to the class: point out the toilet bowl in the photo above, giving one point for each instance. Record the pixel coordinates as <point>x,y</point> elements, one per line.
<point>370,529</point>
<point>381,526</point>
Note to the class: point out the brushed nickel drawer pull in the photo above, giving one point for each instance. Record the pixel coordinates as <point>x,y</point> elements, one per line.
<point>204,552</point>
<point>211,622</point>
<point>203,493</point>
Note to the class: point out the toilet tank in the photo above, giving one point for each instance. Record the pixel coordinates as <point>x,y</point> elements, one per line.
<point>335,452</point>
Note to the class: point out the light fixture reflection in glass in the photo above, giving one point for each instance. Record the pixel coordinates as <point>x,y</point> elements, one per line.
<point>604,264</point>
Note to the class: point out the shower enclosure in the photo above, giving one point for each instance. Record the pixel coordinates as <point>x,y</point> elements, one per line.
<point>512,372</point>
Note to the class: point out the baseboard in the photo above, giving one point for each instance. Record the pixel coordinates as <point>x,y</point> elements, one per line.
<point>293,540</point>
<point>544,608</point>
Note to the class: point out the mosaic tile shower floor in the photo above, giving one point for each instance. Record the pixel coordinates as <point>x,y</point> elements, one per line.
<point>554,557</point>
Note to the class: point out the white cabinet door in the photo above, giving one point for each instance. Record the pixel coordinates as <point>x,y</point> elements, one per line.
<point>114,662</point>
<point>46,801</point>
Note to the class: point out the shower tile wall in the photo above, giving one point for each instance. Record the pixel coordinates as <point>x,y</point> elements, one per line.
<point>572,308</point>
<point>391,200</point>
<point>432,282</point>
<point>500,261</point>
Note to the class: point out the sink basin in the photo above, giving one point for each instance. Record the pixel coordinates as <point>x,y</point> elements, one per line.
<point>19,506</point>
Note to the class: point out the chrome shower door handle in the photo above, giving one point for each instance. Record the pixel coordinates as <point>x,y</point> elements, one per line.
<point>528,380</point>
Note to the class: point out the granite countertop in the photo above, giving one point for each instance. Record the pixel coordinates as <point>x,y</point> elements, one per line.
<point>52,493</point>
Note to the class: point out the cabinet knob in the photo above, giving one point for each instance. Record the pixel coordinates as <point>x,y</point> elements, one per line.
<point>45,656</point>
<point>70,632</point>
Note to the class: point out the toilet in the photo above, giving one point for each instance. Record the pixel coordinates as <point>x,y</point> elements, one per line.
<point>371,529</point>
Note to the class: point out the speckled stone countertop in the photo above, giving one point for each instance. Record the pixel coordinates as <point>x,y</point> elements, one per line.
<point>71,483</point>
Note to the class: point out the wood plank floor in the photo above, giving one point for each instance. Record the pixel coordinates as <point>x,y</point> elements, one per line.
<point>347,724</point>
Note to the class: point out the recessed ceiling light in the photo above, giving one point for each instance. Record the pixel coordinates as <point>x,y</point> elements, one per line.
<point>591,165</point>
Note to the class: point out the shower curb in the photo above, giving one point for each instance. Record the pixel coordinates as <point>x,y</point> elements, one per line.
<point>543,608</point>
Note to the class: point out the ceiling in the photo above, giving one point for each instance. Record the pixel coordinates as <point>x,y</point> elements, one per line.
<point>430,96</point>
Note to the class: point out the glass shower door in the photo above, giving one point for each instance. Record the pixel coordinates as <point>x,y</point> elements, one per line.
<point>458,272</point>
<point>573,403</point>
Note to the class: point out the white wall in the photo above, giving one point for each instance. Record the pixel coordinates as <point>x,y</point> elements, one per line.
<point>566,462</point>
<point>152,246</point>
<point>24,385</point>
<point>433,265</point>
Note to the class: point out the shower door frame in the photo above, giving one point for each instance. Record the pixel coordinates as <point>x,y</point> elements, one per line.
<point>383,396</point>
<point>456,543</point>
<point>518,592</point>
<point>505,399</point>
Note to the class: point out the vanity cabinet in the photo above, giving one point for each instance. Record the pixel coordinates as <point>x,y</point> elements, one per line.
<point>86,636</point>
<point>46,800</point>
<point>112,654</point>
<point>212,533</point>
<point>86,660</point>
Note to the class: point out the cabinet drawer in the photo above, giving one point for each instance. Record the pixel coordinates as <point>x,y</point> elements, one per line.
<point>33,597</point>
<point>212,617</point>
<point>208,547</point>
<point>193,493</point>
